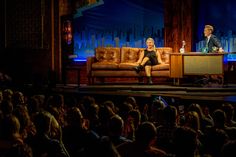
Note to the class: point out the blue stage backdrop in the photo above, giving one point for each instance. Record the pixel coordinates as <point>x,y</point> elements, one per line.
<point>222,15</point>
<point>117,23</point>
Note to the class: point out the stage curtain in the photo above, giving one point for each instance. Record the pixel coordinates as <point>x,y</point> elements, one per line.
<point>179,23</point>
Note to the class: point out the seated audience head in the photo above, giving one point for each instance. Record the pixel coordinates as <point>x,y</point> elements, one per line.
<point>6,107</point>
<point>7,94</point>
<point>9,128</point>
<point>131,100</point>
<point>75,117</point>
<point>146,134</point>
<point>87,101</point>
<point>135,117</point>
<point>185,142</point>
<point>33,105</point>
<point>157,107</point>
<point>219,118</point>
<point>229,112</point>
<point>197,108</point>
<point>111,105</point>
<point>192,120</point>
<point>56,100</point>
<point>18,98</point>
<point>115,125</point>
<point>43,122</point>
<point>170,115</point>
<point>204,121</point>
<point>124,109</point>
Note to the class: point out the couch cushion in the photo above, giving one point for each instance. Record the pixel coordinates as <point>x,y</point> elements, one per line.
<point>104,65</point>
<point>161,67</point>
<point>108,54</point>
<point>165,53</point>
<point>128,66</point>
<point>129,54</point>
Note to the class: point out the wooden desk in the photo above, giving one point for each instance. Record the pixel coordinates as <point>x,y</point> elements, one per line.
<point>196,63</point>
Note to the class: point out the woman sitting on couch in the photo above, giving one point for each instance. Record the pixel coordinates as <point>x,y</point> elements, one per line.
<point>149,57</point>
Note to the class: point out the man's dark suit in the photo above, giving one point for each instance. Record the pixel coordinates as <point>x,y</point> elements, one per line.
<point>213,42</point>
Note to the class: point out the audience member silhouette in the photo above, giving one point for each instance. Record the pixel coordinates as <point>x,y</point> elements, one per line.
<point>228,149</point>
<point>11,142</point>
<point>219,119</point>
<point>214,141</point>
<point>185,142</point>
<point>131,100</point>
<point>7,94</point>
<point>204,121</point>
<point>157,107</point>
<point>229,113</point>
<point>6,107</point>
<point>18,98</point>
<point>27,128</point>
<point>42,144</point>
<point>77,136</point>
<point>131,124</point>
<point>166,129</point>
<point>107,148</point>
<point>116,126</point>
<point>143,145</point>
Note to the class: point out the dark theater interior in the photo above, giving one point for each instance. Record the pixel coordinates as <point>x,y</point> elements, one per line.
<point>119,67</point>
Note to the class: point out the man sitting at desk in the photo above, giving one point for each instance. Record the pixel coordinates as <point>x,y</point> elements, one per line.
<point>212,42</point>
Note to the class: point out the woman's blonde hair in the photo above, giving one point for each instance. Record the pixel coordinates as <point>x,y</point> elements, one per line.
<point>151,39</point>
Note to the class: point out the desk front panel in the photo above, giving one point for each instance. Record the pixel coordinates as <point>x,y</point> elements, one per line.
<point>202,64</point>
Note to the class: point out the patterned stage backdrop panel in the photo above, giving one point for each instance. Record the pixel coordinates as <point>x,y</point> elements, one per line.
<point>117,23</point>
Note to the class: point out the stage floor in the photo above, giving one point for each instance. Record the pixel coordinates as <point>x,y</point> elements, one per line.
<point>224,93</point>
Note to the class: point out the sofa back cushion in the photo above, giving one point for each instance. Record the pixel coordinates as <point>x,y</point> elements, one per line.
<point>165,53</point>
<point>107,54</point>
<point>130,54</point>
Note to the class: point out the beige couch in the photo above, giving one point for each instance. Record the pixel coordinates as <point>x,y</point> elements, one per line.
<point>119,62</point>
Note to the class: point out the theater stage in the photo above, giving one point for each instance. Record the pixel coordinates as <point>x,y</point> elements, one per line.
<point>225,93</point>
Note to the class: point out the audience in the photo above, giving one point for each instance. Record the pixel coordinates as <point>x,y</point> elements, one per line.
<point>53,124</point>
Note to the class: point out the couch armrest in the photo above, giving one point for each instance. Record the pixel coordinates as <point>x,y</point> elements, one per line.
<point>90,61</point>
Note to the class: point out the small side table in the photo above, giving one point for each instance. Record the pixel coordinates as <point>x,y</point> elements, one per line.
<point>77,69</point>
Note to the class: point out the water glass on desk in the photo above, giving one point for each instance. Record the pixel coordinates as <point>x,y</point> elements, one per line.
<point>204,50</point>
